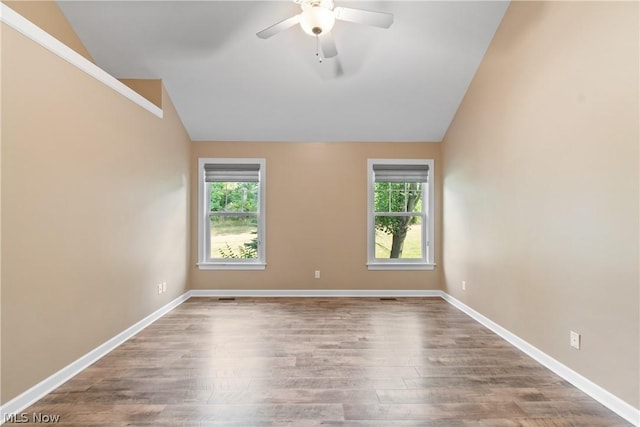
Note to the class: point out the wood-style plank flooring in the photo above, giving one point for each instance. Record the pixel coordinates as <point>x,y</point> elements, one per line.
<point>337,362</point>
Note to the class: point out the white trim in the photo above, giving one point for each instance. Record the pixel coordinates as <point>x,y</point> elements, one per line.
<point>44,39</point>
<point>428,220</point>
<point>401,266</point>
<point>204,262</point>
<point>310,293</point>
<point>38,391</point>
<point>231,266</point>
<point>598,393</point>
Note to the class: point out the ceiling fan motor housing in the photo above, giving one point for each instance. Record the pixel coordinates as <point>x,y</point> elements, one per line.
<point>316,20</point>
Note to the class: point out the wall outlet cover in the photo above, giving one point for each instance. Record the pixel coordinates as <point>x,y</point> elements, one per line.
<point>574,340</point>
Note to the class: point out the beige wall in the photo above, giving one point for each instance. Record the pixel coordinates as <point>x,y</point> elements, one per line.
<point>151,89</point>
<point>1,40</point>
<point>316,217</point>
<point>94,212</point>
<point>48,16</point>
<point>541,186</point>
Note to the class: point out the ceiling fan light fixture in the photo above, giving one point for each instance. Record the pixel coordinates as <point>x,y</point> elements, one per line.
<point>317,20</point>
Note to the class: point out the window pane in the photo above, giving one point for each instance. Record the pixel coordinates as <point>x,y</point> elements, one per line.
<point>398,196</point>
<point>233,197</point>
<point>398,237</point>
<point>234,237</point>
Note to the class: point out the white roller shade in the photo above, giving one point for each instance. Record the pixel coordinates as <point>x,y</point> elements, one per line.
<point>214,172</point>
<point>401,173</point>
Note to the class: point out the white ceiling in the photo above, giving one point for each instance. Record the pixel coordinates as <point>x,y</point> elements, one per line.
<point>400,84</point>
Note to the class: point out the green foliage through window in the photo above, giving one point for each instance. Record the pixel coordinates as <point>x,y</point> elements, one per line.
<point>233,197</point>
<point>393,197</point>
<point>234,207</point>
<point>246,251</point>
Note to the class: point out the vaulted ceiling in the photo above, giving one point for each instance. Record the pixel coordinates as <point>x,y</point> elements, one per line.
<point>404,83</point>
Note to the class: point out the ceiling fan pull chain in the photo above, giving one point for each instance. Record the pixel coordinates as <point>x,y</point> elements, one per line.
<point>318,49</point>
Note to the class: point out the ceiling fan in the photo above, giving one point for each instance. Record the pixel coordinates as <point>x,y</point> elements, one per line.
<point>319,16</point>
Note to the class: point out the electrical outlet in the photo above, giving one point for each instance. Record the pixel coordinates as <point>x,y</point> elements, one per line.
<point>159,288</point>
<point>464,285</point>
<point>574,340</point>
<point>164,287</point>
<point>317,274</point>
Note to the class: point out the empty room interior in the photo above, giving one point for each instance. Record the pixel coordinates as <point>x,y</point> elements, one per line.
<point>304,213</point>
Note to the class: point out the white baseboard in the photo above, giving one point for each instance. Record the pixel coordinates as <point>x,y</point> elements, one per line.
<point>309,293</point>
<point>598,393</point>
<point>38,391</point>
<point>601,395</point>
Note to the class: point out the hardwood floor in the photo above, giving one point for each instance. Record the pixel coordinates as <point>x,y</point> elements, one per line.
<point>338,362</point>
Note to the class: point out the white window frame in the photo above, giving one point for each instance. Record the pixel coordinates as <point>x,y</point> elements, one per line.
<point>205,262</point>
<point>427,261</point>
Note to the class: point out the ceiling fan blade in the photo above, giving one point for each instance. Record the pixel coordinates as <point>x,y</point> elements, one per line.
<point>331,69</point>
<point>280,26</point>
<point>328,45</point>
<point>338,70</point>
<point>367,17</point>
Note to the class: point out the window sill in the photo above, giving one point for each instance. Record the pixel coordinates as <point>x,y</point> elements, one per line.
<point>399,266</point>
<point>231,266</point>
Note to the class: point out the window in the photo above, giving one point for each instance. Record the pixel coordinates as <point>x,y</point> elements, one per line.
<point>231,213</point>
<point>400,214</point>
